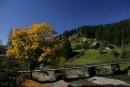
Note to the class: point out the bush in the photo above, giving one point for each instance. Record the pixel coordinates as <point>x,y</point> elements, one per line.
<point>67,50</point>
<point>8,73</point>
<point>76,46</point>
<point>114,53</point>
<point>102,51</point>
<point>125,53</point>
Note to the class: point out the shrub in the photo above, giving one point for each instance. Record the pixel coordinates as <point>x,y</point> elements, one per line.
<point>125,53</point>
<point>67,50</point>
<point>114,53</point>
<point>8,73</point>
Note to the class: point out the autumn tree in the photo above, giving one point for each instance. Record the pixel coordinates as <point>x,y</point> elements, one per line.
<point>33,44</point>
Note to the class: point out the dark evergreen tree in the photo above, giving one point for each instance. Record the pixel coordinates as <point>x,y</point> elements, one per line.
<point>66,35</point>
<point>67,50</point>
<point>108,33</point>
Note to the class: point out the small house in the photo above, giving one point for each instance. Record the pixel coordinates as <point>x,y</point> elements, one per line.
<point>94,45</point>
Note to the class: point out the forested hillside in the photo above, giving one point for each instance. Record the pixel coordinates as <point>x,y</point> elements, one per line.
<point>112,33</point>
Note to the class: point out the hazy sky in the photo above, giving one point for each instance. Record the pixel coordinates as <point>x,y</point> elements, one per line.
<point>61,14</point>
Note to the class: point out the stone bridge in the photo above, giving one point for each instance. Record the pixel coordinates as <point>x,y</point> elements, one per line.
<point>81,71</point>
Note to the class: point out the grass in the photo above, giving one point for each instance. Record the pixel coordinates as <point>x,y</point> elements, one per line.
<point>123,66</point>
<point>93,56</point>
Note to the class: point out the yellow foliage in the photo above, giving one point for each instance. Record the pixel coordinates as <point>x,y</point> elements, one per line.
<point>49,54</point>
<point>35,45</point>
<point>22,40</point>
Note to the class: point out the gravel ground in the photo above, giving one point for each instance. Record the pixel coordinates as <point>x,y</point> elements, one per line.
<point>106,81</point>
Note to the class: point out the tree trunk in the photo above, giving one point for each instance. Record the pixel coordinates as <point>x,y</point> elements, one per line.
<point>31,73</point>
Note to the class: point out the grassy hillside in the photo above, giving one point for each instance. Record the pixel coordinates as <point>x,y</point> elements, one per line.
<point>103,54</point>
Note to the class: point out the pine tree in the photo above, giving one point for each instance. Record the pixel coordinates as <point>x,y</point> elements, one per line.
<point>67,50</point>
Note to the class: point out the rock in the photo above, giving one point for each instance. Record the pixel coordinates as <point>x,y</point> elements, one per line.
<point>60,83</point>
<point>76,73</point>
<point>129,73</point>
<point>106,81</point>
<point>81,83</point>
<point>40,76</point>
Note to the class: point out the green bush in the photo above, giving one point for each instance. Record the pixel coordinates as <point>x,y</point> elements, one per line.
<point>8,72</point>
<point>76,46</point>
<point>114,53</point>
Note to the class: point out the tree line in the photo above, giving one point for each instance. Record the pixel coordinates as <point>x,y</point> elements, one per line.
<point>110,33</point>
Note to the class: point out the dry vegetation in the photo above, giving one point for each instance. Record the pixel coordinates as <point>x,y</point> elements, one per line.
<point>30,83</point>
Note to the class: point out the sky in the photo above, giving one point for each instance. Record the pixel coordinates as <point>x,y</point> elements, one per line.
<point>60,14</point>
